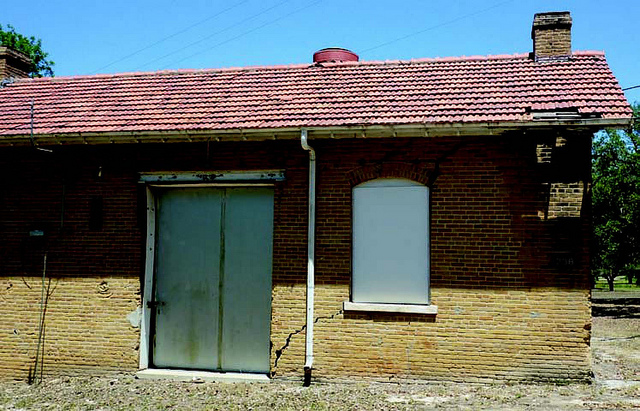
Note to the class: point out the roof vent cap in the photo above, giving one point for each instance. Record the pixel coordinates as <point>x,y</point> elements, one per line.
<point>334,54</point>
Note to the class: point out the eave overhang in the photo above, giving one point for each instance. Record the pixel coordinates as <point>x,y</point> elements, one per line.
<point>364,131</point>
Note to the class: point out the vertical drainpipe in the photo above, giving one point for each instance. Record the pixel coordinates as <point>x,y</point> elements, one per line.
<point>311,240</point>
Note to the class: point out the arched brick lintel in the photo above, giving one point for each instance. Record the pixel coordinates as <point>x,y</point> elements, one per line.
<point>409,171</point>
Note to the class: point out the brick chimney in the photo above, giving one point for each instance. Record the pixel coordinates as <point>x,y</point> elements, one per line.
<point>551,35</point>
<point>13,64</point>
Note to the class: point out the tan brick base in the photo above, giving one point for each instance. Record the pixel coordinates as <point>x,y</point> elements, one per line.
<point>86,327</point>
<point>477,335</point>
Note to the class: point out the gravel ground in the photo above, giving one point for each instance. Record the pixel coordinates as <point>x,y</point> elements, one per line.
<point>127,393</point>
<point>616,355</point>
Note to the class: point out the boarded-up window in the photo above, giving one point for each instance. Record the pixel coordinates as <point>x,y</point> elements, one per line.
<point>390,242</point>
<point>96,213</point>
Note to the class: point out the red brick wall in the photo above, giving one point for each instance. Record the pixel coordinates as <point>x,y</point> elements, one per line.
<point>511,284</point>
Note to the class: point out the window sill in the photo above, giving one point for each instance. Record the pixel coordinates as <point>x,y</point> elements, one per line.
<point>391,308</point>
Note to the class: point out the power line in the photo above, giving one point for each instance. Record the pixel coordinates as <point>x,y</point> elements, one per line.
<point>631,88</point>
<point>171,36</point>
<point>246,32</point>
<point>435,27</point>
<point>215,34</point>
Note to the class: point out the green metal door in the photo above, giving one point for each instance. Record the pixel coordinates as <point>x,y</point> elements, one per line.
<point>212,294</point>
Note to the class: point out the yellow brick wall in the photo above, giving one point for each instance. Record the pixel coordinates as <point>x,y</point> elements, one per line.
<point>86,327</point>
<point>477,335</point>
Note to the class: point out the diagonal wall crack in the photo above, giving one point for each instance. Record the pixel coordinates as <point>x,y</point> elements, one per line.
<point>298,331</point>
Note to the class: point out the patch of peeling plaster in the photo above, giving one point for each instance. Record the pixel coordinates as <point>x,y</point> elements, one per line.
<point>135,317</point>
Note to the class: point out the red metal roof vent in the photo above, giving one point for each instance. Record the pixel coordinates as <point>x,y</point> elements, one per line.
<point>334,54</point>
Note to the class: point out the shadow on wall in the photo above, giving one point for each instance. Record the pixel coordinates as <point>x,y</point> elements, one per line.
<point>95,221</point>
<point>390,318</point>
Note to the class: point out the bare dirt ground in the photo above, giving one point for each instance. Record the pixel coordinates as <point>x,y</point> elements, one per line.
<point>616,386</point>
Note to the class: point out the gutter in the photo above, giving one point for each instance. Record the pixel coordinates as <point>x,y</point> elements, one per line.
<point>287,133</point>
<point>311,240</point>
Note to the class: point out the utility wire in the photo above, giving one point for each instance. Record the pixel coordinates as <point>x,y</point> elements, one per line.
<point>475,13</point>
<point>215,34</point>
<point>631,88</point>
<point>246,32</point>
<point>177,33</point>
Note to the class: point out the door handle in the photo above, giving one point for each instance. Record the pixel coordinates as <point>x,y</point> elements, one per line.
<point>154,304</point>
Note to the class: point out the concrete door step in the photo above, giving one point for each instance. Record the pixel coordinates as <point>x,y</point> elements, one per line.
<point>200,376</point>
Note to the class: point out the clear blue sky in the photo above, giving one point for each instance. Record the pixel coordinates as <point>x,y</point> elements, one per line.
<point>85,36</point>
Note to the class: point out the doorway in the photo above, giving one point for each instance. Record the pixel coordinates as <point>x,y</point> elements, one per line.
<point>210,308</point>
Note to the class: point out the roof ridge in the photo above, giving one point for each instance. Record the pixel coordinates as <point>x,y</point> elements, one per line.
<point>490,57</point>
<point>588,53</point>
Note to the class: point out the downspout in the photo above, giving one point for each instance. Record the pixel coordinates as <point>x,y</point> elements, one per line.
<point>311,241</point>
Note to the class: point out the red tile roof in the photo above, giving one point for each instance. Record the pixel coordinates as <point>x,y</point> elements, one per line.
<point>426,91</point>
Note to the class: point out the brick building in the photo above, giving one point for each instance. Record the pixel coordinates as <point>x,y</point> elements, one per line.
<point>436,211</point>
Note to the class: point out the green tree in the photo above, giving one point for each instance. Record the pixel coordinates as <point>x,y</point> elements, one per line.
<point>616,201</point>
<point>30,46</point>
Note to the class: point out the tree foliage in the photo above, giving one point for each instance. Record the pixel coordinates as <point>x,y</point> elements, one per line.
<point>32,47</point>
<point>616,201</point>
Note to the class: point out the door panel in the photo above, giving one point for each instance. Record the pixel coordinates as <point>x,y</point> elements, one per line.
<point>187,278</point>
<point>246,286</point>
<point>213,278</point>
